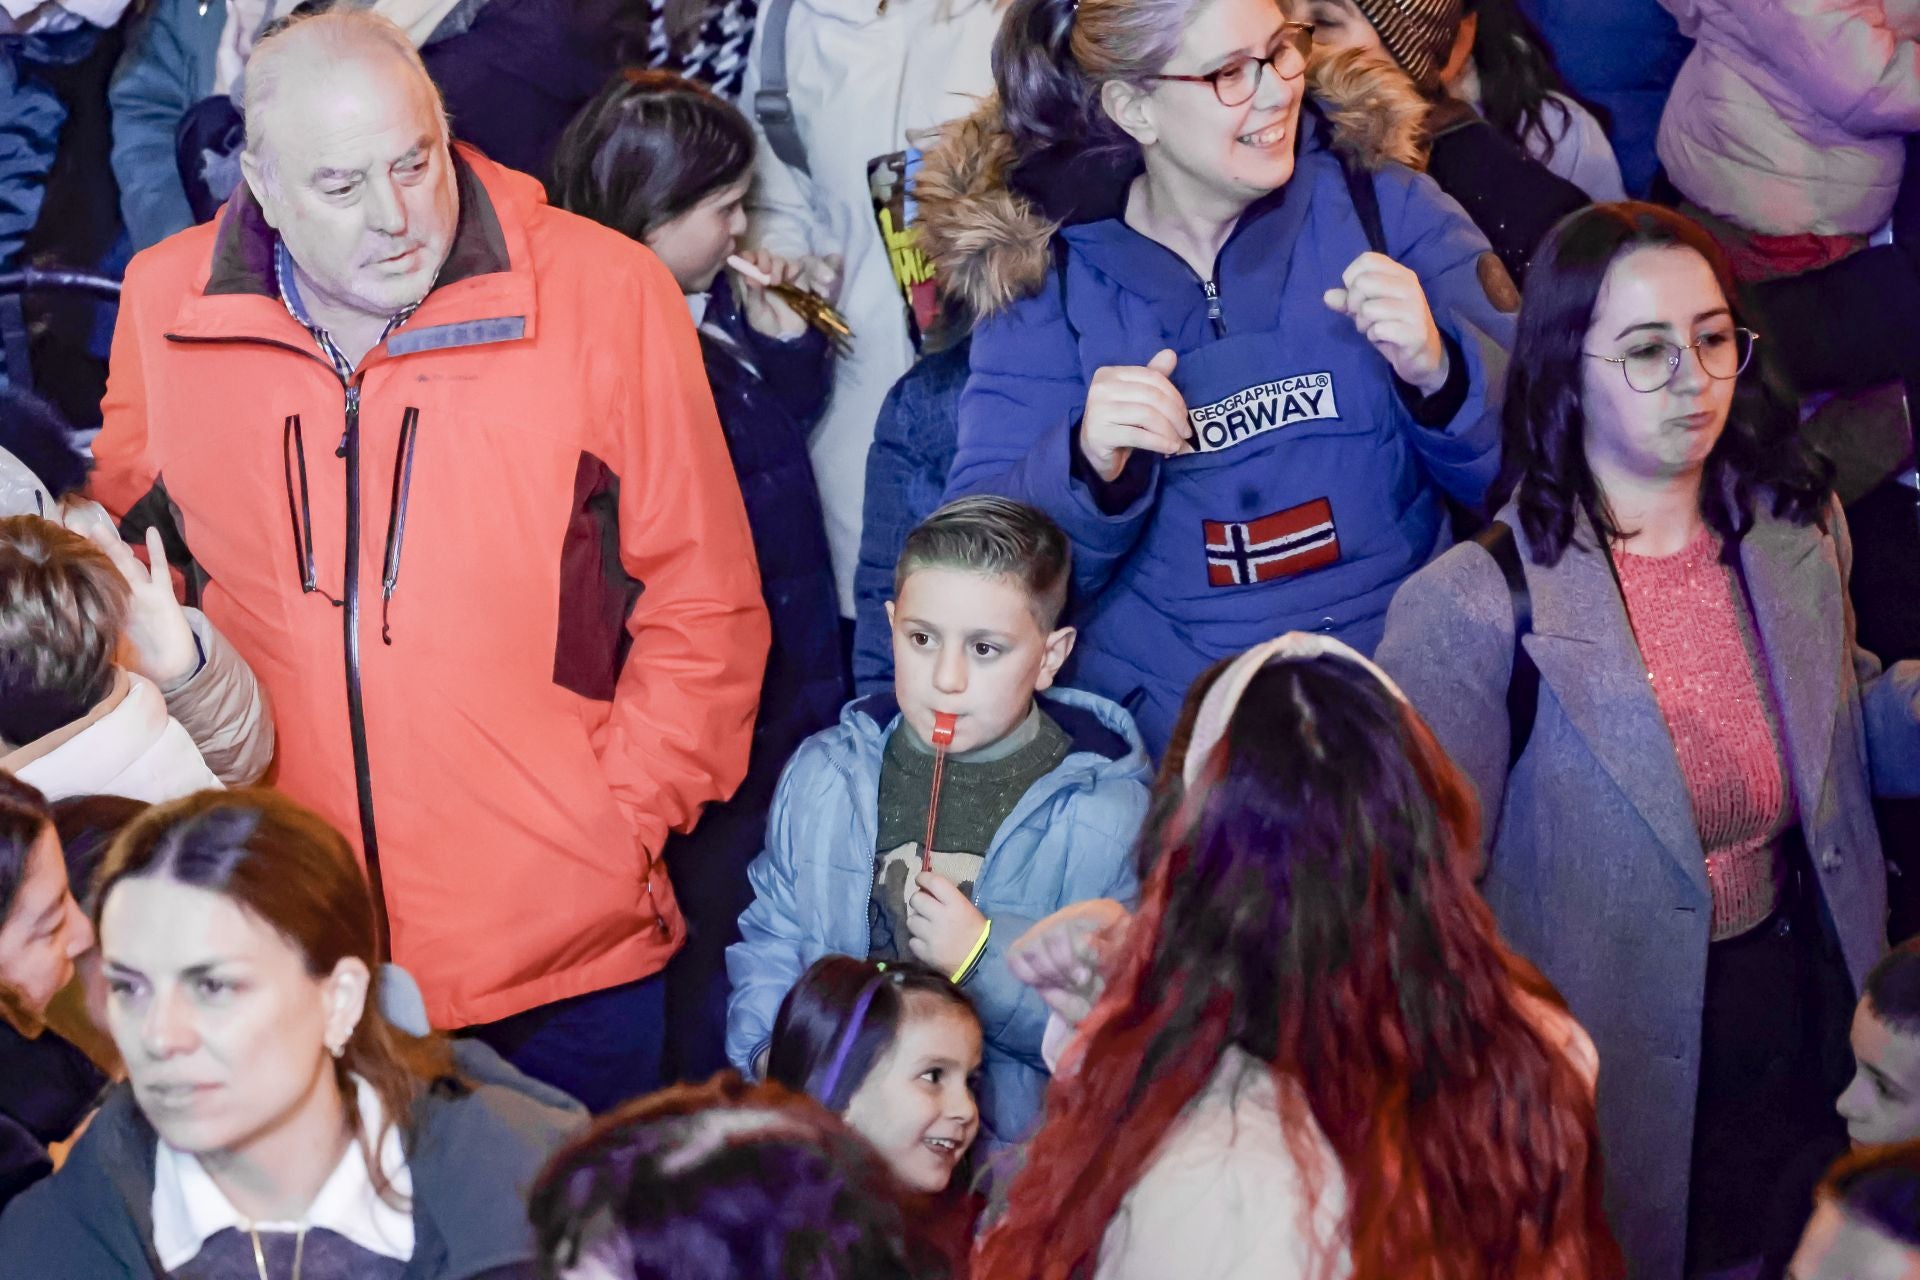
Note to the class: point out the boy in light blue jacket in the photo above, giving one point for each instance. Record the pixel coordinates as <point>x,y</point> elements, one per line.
<point>1032,805</point>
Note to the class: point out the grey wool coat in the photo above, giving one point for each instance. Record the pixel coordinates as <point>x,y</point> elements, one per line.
<point>1594,867</point>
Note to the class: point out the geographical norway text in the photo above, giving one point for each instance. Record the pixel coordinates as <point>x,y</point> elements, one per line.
<point>1305,397</point>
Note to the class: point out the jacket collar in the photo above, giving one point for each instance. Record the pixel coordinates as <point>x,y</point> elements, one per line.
<point>1583,644</point>
<point>484,292</point>
<point>1095,726</point>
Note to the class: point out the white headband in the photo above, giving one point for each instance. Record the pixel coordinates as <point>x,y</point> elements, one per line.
<point>1217,708</point>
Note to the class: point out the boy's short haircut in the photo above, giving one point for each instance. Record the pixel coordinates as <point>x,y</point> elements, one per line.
<point>995,537</point>
<point>1893,988</point>
<point>63,607</point>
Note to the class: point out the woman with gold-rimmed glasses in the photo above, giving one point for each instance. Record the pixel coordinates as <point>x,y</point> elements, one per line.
<point>1675,737</point>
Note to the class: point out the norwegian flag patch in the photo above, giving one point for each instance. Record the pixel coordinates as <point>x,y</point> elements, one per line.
<point>1294,541</point>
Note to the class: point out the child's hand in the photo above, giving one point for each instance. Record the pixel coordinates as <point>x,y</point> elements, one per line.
<point>942,924</point>
<point>1063,956</point>
<point>763,308</point>
<point>160,640</point>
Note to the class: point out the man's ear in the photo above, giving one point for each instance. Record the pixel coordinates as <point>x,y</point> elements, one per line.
<point>254,171</point>
<point>1130,108</point>
<point>1059,648</point>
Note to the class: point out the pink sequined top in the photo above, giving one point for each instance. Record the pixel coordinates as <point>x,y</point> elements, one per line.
<point>1697,636</point>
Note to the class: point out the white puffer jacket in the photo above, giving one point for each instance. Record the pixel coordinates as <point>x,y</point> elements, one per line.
<point>866,77</point>
<point>1787,116</point>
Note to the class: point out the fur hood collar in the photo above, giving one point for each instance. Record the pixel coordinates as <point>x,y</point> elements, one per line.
<point>989,243</point>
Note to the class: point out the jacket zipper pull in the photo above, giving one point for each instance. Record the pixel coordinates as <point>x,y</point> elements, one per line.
<point>353,419</point>
<point>1213,308</point>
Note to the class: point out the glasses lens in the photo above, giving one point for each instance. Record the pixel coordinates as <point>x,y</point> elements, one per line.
<point>1236,82</point>
<point>1650,365</point>
<point>1299,38</point>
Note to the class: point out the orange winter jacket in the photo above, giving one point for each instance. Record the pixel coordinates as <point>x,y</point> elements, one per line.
<point>538,648</point>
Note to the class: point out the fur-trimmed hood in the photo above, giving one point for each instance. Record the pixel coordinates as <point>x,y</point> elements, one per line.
<point>989,242</point>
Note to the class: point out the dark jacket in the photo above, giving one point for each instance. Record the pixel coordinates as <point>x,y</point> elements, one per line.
<point>1317,482</point>
<point>1511,197</point>
<point>1594,866</point>
<point>913,444</point>
<point>768,393</point>
<point>47,1086</point>
<point>473,1149</point>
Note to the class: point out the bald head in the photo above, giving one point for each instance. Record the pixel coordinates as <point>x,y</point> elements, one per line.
<point>348,158</point>
<point>302,61</point>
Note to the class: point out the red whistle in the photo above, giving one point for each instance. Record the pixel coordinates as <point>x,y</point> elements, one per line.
<point>943,722</point>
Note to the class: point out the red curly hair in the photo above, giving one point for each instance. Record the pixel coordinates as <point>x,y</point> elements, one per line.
<point>1309,903</point>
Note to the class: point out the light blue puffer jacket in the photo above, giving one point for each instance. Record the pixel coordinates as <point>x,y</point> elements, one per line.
<point>1070,838</point>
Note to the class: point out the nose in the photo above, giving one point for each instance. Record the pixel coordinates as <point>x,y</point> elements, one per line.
<point>167,1028</point>
<point>1692,372</point>
<point>961,1107</point>
<point>80,937</point>
<point>950,670</point>
<point>737,223</point>
<point>1848,1104</point>
<point>385,211</point>
<point>1274,89</point>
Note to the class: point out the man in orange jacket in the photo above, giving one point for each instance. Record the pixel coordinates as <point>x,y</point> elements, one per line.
<point>441,461</point>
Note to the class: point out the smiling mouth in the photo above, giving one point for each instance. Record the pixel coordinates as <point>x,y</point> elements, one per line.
<point>949,1147</point>
<point>1272,135</point>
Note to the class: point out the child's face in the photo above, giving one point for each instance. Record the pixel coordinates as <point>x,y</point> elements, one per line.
<point>696,244</point>
<point>968,643</point>
<point>916,1106</point>
<point>1882,1102</point>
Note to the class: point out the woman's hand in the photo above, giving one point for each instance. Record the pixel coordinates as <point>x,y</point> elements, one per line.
<point>1063,957</point>
<point>764,309</point>
<point>159,639</point>
<point>1133,407</point>
<point>1389,308</point>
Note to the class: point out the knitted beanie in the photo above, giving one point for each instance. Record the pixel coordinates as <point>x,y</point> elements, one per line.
<point>1418,33</point>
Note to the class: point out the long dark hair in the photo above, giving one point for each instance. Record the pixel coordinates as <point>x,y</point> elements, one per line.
<point>1311,907</point>
<point>286,866</point>
<point>24,819</point>
<point>650,146</point>
<point>841,1018</point>
<point>1518,79</point>
<point>1545,466</point>
<point>725,1181</point>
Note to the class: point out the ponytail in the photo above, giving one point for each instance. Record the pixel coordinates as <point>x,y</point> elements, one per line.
<point>1045,97</point>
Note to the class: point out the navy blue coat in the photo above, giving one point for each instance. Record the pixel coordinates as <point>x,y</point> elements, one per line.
<point>768,394</point>
<point>907,465</point>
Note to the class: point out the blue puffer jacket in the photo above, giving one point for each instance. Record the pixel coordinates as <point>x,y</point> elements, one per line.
<point>1623,56</point>
<point>1314,491</point>
<point>1069,839</point>
<point>907,465</point>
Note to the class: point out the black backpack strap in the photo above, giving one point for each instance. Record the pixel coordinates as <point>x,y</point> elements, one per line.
<point>772,107</point>
<point>1366,203</point>
<point>1523,683</point>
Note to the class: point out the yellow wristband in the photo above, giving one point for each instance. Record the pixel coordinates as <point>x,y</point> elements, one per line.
<point>973,956</point>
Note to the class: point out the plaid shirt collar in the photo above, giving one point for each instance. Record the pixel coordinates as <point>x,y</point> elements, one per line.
<point>297,308</point>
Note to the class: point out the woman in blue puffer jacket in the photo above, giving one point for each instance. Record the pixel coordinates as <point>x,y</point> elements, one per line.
<point>1231,341</point>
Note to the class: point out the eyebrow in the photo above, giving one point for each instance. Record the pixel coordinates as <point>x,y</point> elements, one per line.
<point>1663,326</point>
<point>336,175</point>
<point>980,633</point>
<point>189,973</point>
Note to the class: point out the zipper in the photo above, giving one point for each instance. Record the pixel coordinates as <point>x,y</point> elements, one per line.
<point>1213,308</point>
<point>356,701</point>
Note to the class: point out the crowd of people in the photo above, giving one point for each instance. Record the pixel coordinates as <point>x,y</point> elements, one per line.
<point>996,638</point>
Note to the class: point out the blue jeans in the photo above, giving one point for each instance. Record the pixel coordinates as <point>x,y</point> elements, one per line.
<point>602,1047</point>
